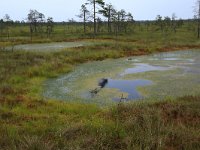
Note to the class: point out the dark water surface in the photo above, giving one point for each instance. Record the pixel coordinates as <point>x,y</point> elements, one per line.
<point>128,86</point>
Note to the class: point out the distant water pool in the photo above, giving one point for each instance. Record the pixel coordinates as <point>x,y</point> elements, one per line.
<point>55,46</point>
<point>161,75</point>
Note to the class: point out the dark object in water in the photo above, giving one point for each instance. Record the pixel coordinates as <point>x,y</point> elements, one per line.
<point>103,82</point>
<point>94,92</point>
<point>123,98</point>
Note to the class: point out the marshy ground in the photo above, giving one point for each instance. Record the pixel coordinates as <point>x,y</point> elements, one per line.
<point>168,119</point>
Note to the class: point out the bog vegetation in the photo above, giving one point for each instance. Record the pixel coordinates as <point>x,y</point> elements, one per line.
<point>28,121</point>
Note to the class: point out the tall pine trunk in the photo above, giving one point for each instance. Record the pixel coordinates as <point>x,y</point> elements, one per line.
<point>94,16</point>
<point>198,20</point>
<point>84,21</point>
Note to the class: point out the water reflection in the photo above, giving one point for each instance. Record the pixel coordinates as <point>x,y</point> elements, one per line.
<point>140,67</point>
<point>128,86</point>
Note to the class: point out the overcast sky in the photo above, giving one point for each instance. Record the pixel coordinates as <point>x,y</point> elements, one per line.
<point>62,10</point>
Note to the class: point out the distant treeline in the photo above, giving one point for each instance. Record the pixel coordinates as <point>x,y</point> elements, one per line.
<point>97,17</point>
